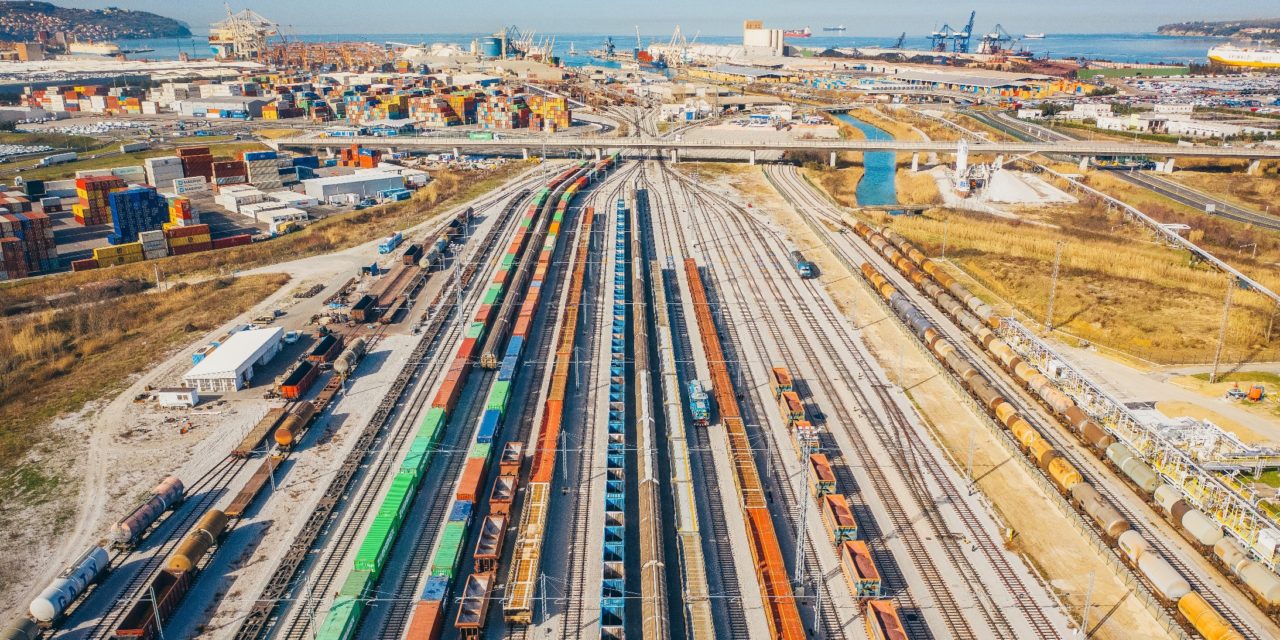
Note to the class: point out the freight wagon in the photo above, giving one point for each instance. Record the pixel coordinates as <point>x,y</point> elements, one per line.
<point>882,621</point>
<point>166,495</point>
<point>390,243</point>
<point>780,381</point>
<point>260,431</point>
<point>822,480</point>
<point>699,404</point>
<point>363,310</point>
<point>325,350</point>
<point>167,591</point>
<point>299,379</point>
<point>56,598</point>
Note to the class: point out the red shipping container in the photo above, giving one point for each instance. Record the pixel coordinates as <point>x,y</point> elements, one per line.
<point>184,152</point>
<point>232,241</point>
<point>447,396</point>
<point>84,265</point>
<point>472,479</point>
<point>427,621</point>
<point>191,248</point>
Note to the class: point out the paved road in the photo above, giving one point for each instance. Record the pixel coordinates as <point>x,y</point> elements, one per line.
<point>1198,199</point>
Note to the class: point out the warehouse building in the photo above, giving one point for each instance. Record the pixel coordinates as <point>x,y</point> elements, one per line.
<point>231,366</point>
<point>363,184</point>
<point>221,107</point>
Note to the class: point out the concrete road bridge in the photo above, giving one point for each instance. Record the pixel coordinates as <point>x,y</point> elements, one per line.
<point>598,147</point>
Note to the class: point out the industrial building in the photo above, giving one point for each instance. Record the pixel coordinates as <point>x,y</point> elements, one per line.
<point>221,106</point>
<point>364,184</point>
<point>231,366</point>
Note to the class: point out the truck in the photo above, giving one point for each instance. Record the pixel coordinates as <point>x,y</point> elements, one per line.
<point>58,158</point>
<point>130,147</point>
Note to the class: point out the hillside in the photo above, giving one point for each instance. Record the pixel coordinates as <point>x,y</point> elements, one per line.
<point>1267,29</point>
<point>20,21</point>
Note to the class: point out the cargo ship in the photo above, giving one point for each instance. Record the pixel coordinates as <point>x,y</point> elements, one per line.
<point>835,28</point>
<point>1234,56</point>
<point>797,33</point>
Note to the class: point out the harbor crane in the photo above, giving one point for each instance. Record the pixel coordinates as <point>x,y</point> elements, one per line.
<point>901,39</point>
<point>960,39</point>
<point>938,39</point>
<point>996,41</point>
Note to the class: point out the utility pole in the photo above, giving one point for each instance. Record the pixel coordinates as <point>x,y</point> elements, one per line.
<point>1088,602</point>
<point>946,228</point>
<point>1053,288</point>
<point>1222,333</point>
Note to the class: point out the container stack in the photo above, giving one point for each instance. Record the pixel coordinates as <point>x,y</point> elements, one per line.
<point>434,112</point>
<point>13,261</point>
<point>503,112</point>
<point>34,233</point>
<point>94,208</point>
<point>162,171</point>
<point>196,161</point>
<point>357,156</point>
<point>184,240</point>
<point>154,244</point>
<point>549,113</point>
<point>230,172</point>
<point>181,213</point>
<point>263,169</point>
<point>15,201</point>
<point>464,105</point>
<point>126,253</point>
<point>136,210</point>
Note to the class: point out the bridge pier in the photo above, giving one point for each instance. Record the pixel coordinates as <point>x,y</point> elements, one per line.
<point>675,156</point>
<point>915,162</point>
<point>457,153</point>
<point>1168,166</point>
<point>753,156</point>
<point>832,160</point>
<point>524,153</point>
<point>328,152</point>
<point>599,154</point>
<point>1085,161</point>
<point>1255,168</point>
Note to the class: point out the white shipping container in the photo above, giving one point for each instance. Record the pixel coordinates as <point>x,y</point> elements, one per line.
<point>194,184</point>
<point>147,236</point>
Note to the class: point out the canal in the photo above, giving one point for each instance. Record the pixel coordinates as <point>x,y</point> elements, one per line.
<point>877,186</point>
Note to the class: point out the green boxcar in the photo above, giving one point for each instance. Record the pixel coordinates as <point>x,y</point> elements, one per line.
<point>498,395</point>
<point>376,544</point>
<point>342,619</point>
<point>492,294</point>
<point>480,450</point>
<point>445,562</point>
<point>542,195</point>
<point>432,426</point>
<point>356,584</point>
<point>508,261</point>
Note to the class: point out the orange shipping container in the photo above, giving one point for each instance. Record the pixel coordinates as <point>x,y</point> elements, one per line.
<point>472,479</point>
<point>427,621</point>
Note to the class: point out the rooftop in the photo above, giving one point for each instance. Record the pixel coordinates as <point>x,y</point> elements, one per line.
<point>367,174</point>
<point>234,352</point>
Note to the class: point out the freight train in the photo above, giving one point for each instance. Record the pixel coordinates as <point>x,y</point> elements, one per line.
<point>427,618</point>
<point>803,267</point>
<point>699,404</point>
<point>856,563</point>
<point>976,317</point>
<point>148,615</point>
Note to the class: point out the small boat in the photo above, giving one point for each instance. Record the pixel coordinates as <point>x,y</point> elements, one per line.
<point>1033,36</point>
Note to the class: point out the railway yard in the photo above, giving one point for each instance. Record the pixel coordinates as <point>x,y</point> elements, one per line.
<point>634,397</point>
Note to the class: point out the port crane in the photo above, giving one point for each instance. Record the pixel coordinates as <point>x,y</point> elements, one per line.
<point>960,39</point>
<point>996,41</point>
<point>901,39</point>
<point>938,39</point>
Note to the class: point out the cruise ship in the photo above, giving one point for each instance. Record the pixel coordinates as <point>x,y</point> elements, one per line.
<point>1239,57</point>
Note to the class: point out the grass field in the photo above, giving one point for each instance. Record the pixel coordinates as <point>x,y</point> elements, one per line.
<point>55,361</point>
<point>59,141</point>
<point>331,234</point>
<point>1136,297</point>
<point>1263,377</point>
<point>1258,192</point>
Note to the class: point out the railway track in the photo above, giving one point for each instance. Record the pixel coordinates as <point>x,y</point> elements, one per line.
<point>264,615</point>
<point>208,489</point>
<point>1068,445</point>
<point>723,578</point>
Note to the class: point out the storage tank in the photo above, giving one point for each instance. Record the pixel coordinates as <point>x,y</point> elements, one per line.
<point>1202,528</point>
<point>1140,474</point>
<point>1132,545</point>
<point>1167,582</point>
<point>1205,619</point>
<point>491,47</point>
<point>165,495</point>
<point>1261,580</point>
<point>294,423</point>
<point>197,543</point>
<point>21,629</point>
<point>71,584</point>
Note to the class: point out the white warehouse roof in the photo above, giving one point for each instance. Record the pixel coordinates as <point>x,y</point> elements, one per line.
<point>237,355</point>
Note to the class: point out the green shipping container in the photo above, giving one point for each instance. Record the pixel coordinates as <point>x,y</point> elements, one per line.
<point>445,562</point>
<point>373,549</point>
<point>498,395</point>
<point>475,330</point>
<point>492,294</point>
<point>508,261</point>
<point>341,620</point>
<point>432,425</point>
<point>356,584</point>
<point>480,450</point>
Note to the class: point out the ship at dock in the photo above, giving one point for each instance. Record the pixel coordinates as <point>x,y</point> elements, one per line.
<point>1234,56</point>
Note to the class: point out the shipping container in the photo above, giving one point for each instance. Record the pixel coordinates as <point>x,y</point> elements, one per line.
<point>472,479</point>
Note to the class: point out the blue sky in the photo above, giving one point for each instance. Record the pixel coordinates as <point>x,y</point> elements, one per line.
<point>718,18</point>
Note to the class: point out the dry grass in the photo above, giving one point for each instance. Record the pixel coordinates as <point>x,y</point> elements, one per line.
<point>889,123</point>
<point>276,134</point>
<point>1138,298</point>
<point>841,184</point>
<point>931,127</point>
<point>917,187</point>
<point>1258,192</point>
<point>54,361</point>
<point>331,234</point>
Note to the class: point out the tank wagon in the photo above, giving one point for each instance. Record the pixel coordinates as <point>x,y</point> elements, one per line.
<point>977,318</point>
<point>126,533</point>
<point>53,602</point>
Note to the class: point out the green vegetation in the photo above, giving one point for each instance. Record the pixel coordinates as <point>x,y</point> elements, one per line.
<point>19,21</point>
<point>60,141</point>
<point>1262,377</point>
<point>69,169</point>
<point>1261,29</point>
<point>1140,72</point>
<point>54,361</point>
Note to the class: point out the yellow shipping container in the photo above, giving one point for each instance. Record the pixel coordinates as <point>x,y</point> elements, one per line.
<point>182,242</point>
<point>131,258</point>
<point>118,250</point>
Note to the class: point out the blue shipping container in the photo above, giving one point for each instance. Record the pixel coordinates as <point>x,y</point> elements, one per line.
<point>489,426</point>
<point>461,511</point>
<point>435,589</point>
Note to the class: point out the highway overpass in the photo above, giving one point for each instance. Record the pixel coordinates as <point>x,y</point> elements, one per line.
<point>597,146</point>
